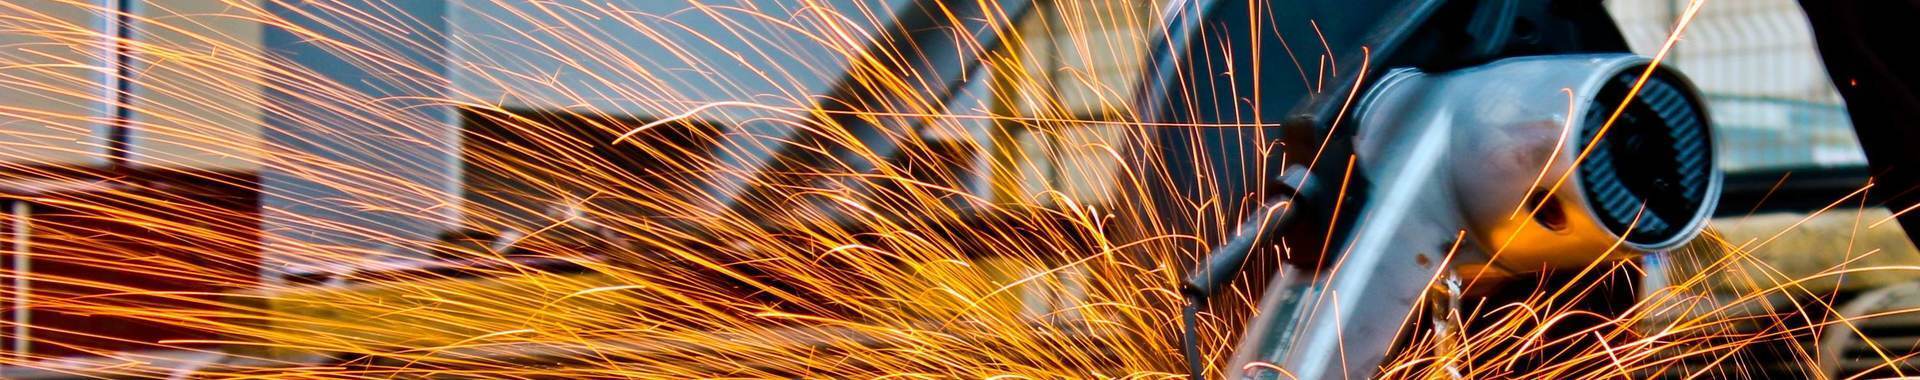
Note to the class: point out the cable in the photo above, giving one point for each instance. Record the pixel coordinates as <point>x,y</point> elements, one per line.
<point>1190,340</point>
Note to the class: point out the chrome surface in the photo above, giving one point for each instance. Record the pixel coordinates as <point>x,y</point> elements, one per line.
<point>1453,161</point>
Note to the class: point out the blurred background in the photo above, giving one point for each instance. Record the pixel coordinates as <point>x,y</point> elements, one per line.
<point>1789,151</point>
<point>1783,133</point>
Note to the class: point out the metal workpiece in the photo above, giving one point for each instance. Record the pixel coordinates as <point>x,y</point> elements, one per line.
<point>1486,170</point>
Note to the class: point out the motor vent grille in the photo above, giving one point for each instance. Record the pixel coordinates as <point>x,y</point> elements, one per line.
<point>1658,153</point>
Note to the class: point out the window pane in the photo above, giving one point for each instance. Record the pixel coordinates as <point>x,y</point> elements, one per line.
<point>53,56</point>
<point>1101,46</point>
<point>197,96</point>
<point>1080,61</point>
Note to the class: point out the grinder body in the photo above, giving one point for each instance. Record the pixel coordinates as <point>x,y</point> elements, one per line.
<point>1515,166</point>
